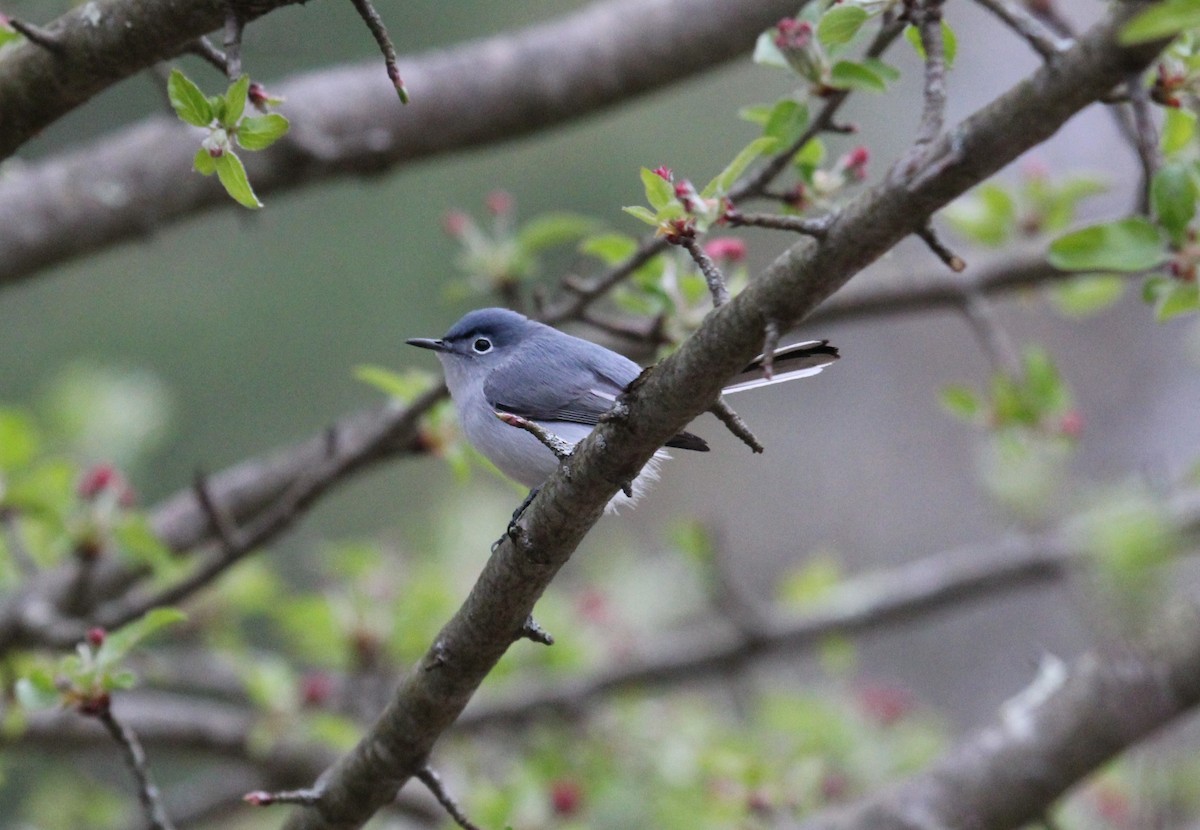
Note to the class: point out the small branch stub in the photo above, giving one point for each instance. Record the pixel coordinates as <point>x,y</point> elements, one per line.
<point>736,425</point>
<point>532,631</point>
<point>561,449</point>
<point>953,261</point>
<point>375,23</point>
<point>305,798</point>
<point>50,41</point>
<point>428,776</point>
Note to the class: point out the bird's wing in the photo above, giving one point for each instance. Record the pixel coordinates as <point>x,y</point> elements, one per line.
<point>576,384</point>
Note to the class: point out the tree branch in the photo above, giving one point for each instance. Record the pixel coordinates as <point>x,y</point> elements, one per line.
<point>679,388</point>
<point>1066,724</point>
<point>344,120</point>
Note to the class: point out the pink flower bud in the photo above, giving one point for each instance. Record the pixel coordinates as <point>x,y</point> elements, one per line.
<point>499,203</point>
<point>1071,424</point>
<point>854,163</point>
<point>95,480</point>
<point>885,704</point>
<point>316,688</point>
<point>726,248</point>
<point>455,223</point>
<point>95,636</point>
<point>664,172</point>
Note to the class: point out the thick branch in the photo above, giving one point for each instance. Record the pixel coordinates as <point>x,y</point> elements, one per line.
<point>677,390</point>
<point>1066,724</point>
<point>345,120</point>
<point>98,44</point>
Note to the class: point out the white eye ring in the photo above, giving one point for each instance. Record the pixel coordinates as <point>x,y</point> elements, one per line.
<point>482,345</point>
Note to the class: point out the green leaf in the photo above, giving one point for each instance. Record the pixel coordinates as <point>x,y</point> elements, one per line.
<point>7,35</point>
<point>1173,298</point>
<point>840,24</point>
<point>188,101</point>
<point>961,401</point>
<point>119,643</point>
<point>18,439</point>
<point>233,176</point>
<point>1125,245</point>
<point>38,691</point>
<point>235,102</point>
<point>609,248</point>
<point>851,75</point>
<point>767,53</point>
<point>786,122</point>
<point>949,43</point>
<point>1086,295</point>
<point>724,180</point>
<point>403,386</point>
<point>204,163</point>
<point>645,214</point>
<point>258,132</point>
<point>987,215</point>
<point>1173,195</point>
<point>553,229</point>
<point>659,191</point>
<point>886,71</point>
<point>1179,128</point>
<point>1161,21</point>
<point>756,113</point>
<point>1044,387</point>
<point>139,541</point>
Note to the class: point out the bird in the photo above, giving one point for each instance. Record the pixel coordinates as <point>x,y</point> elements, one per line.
<point>497,361</point>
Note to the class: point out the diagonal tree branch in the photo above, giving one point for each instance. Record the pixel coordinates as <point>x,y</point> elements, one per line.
<point>346,121</point>
<point>97,45</point>
<point>680,388</point>
<point>1066,724</point>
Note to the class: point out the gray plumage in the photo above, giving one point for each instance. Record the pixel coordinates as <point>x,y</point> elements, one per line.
<point>496,360</point>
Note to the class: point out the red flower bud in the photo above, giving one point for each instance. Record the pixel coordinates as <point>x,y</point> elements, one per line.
<point>101,478</point>
<point>95,636</point>
<point>854,163</point>
<point>566,797</point>
<point>316,688</point>
<point>664,172</point>
<point>727,248</point>
<point>1071,424</point>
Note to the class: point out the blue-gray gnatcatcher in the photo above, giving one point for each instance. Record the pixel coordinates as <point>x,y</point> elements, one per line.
<point>498,361</point>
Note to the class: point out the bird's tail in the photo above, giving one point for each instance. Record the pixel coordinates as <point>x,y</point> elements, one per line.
<point>788,363</point>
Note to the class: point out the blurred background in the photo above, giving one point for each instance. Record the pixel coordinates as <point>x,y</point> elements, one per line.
<point>232,334</point>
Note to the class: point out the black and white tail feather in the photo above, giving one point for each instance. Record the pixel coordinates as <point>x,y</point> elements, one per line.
<point>787,363</point>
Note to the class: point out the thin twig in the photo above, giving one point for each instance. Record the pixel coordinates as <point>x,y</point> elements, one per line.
<point>221,523</point>
<point>736,425</point>
<point>817,227</point>
<point>953,261</point>
<point>933,115</point>
<point>771,335</point>
<point>433,782</point>
<point>202,47</point>
<point>992,336</point>
<point>15,542</point>
<point>560,448</point>
<point>135,757</point>
<point>375,23</point>
<point>712,273</point>
<point>48,40</point>
<point>1145,138</point>
<point>233,41</point>
<point>1036,33</point>
<point>305,797</point>
<point>653,335</point>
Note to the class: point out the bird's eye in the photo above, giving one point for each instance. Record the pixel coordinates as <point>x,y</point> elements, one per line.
<point>482,345</point>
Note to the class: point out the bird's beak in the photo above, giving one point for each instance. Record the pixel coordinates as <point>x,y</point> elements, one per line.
<point>428,343</point>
